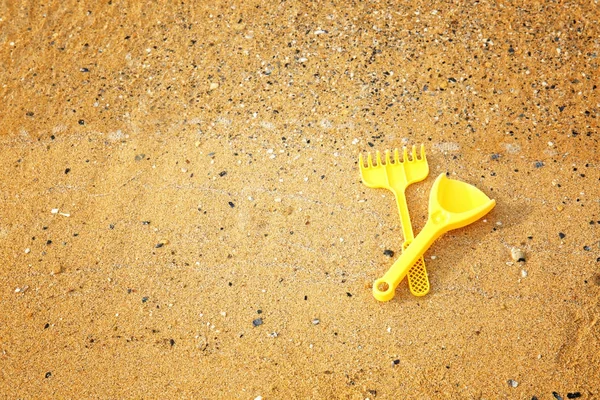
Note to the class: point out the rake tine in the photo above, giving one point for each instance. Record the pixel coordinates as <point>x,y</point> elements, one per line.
<point>369,160</point>
<point>378,158</point>
<point>414,153</point>
<point>396,156</point>
<point>387,157</point>
<point>361,161</point>
<point>404,154</point>
<point>422,152</point>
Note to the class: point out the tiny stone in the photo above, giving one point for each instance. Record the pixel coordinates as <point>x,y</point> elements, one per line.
<point>231,204</point>
<point>557,396</point>
<point>84,69</point>
<point>48,374</point>
<point>388,252</point>
<point>573,395</point>
<point>539,164</point>
<point>561,235</point>
<point>257,322</point>
<point>517,254</point>
<point>396,362</point>
<point>81,122</point>
<point>513,383</point>
<point>222,173</point>
<point>140,157</point>
<point>316,321</point>
<point>56,269</point>
<point>67,170</point>
<point>586,248</point>
<point>214,85</point>
<point>524,273</point>
<point>223,313</point>
<point>27,250</point>
<point>54,211</point>
<point>144,299</point>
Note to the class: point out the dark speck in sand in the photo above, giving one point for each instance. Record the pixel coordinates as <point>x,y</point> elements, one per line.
<point>231,204</point>
<point>257,322</point>
<point>574,395</point>
<point>539,164</point>
<point>388,252</point>
<point>561,235</point>
<point>557,396</point>
<point>48,374</point>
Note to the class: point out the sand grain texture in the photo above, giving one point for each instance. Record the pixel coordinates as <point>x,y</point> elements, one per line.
<point>205,156</point>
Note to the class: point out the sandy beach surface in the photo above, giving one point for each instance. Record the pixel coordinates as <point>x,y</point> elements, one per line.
<point>182,213</point>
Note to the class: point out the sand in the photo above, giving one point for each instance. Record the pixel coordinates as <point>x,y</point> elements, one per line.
<point>182,214</point>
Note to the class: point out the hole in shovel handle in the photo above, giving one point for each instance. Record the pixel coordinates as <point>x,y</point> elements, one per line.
<point>382,290</point>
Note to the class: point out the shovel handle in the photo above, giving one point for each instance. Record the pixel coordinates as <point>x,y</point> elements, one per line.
<point>384,288</point>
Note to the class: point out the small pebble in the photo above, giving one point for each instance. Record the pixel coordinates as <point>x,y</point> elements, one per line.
<point>396,362</point>
<point>523,273</point>
<point>54,211</point>
<point>316,321</point>
<point>557,396</point>
<point>27,250</point>
<point>140,157</point>
<point>388,252</point>
<point>517,254</point>
<point>214,85</point>
<point>573,395</point>
<point>257,322</point>
<point>561,235</point>
<point>513,383</point>
<point>48,374</point>
<point>231,204</point>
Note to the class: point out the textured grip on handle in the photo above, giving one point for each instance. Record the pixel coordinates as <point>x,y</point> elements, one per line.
<point>418,281</point>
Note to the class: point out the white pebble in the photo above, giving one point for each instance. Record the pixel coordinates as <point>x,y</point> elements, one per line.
<point>65,214</point>
<point>223,313</point>
<point>27,250</point>
<point>524,273</point>
<point>316,321</point>
<point>517,254</point>
<point>433,257</point>
<point>278,200</point>
<point>258,398</point>
<point>54,211</point>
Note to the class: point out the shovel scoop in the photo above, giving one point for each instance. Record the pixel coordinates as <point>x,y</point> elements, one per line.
<point>452,204</point>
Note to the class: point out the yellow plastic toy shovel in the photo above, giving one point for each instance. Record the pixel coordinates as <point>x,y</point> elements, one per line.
<point>452,204</point>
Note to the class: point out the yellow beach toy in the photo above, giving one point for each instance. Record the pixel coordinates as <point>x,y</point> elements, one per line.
<point>452,204</point>
<point>396,174</point>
